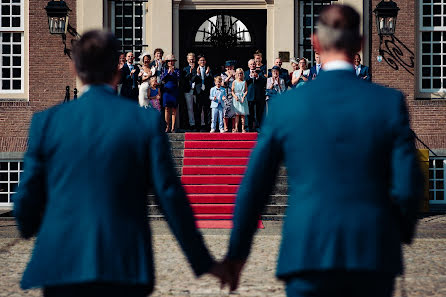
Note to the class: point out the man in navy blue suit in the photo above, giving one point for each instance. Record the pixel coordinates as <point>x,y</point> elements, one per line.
<point>317,68</point>
<point>256,82</point>
<point>188,75</point>
<point>89,166</point>
<point>353,175</point>
<point>204,81</point>
<point>362,71</point>
<point>129,78</point>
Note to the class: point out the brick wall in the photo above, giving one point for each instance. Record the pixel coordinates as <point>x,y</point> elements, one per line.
<point>428,117</point>
<point>49,74</point>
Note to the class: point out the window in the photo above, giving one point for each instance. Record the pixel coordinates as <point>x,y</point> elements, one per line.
<point>309,13</point>
<point>437,180</point>
<point>127,18</point>
<point>10,172</point>
<point>432,38</point>
<point>223,31</point>
<point>12,45</point>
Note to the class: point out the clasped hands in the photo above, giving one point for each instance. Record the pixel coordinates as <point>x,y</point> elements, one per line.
<point>228,272</point>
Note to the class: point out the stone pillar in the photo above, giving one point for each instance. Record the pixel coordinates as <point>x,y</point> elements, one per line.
<point>159,24</point>
<point>176,29</point>
<point>280,25</point>
<point>90,16</point>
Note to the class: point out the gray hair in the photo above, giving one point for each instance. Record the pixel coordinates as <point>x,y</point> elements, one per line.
<point>251,60</point>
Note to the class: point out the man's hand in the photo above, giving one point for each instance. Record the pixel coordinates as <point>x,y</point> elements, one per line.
<point>219,271</point>
<point>232,272</point>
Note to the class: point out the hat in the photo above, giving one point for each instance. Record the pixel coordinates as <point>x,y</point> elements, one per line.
<point>294,60</point>
<point>143,54</point>
<point>230,63</point>
<point>170,57</point>
<point>275,68</point>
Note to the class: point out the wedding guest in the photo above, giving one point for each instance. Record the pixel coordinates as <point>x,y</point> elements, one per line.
<point>170,79</point>
<point>301,76</point>
<point>258,58</point>
<point>188,75</point>
<point>203,83</point>
<point>120,65</point>
<point>239,100</point>
<point>295,65</point>
<point>316,69</point>
<point>144,76</point>
<point>154,94</point>
<point>228,78</point>
<point>129,78</point>
<point>157,64</point>
<point>256,83</point>
<point>217,97</point>
<point>283,73</point>
<point>275,85</point>
<point>362,71</point>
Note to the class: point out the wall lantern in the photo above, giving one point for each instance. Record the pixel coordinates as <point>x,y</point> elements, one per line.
<point>57,12</point>
<point>386,13</point>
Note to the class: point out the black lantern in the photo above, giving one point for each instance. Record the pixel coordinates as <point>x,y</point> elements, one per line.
<point>57,12</point>
<point>386,13</point>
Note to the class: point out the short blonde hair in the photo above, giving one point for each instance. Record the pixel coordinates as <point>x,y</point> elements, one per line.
<point>240,70</point>
<point>218,78</point>
<point>190,54</point>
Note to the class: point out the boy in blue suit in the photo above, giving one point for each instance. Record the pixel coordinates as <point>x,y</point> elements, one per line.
<point>353,176</point>
<point>89,165</point>
<point>217,97</point>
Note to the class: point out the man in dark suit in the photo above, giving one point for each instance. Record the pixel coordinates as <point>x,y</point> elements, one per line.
<point>317,68</point>
<point>256,82</point>
<point>129,78</point>
<point>283,73</point>
<point>187,82</point>
<point>353,175</point>
<point>204,81</point>
<point>362,71</point>
<point>89,165</point>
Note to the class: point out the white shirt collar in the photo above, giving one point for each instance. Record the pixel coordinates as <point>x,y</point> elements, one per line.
<point>338,65</point>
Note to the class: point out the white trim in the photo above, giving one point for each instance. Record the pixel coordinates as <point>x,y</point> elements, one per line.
<point>10,15</point>
<point>441,180</point>
<point>10,171</point>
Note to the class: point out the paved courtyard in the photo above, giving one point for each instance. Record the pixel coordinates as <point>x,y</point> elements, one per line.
<point>425,263</point>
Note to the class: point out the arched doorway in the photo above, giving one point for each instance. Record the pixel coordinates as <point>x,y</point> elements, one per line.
<point>222,35</point>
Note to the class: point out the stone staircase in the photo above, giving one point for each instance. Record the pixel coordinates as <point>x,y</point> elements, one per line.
<point>275,209</point>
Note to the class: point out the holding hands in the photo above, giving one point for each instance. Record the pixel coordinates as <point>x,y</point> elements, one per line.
<point>228,272</point>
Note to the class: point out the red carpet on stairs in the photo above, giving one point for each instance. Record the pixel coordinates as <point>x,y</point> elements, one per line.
<point>213,168</point>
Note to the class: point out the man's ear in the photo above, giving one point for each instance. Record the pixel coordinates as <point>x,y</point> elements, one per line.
<point>316,44</point>
<point>116,78</point>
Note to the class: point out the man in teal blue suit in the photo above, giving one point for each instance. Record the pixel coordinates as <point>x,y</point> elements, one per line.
<point>353,176</point>
<point>88,168</point>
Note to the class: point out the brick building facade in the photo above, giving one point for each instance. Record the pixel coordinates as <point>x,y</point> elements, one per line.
<point>46,70</point>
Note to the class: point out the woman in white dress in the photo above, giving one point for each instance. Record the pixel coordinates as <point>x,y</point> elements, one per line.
<point>144,76</point>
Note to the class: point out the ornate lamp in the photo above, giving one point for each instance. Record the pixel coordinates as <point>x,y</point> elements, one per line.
<point>386,13</point>
<point>57,12</point>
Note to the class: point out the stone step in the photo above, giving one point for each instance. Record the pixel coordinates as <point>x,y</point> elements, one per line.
<point>269,210</point>
<point>222,198</point>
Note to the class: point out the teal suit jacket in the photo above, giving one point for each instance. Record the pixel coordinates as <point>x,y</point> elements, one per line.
<point>83,192</point>
<point>350,159</point>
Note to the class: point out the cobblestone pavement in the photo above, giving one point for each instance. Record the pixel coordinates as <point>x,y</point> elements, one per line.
<point>425,263</point>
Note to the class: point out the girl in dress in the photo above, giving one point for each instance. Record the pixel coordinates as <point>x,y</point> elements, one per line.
<point>228,78</point>
<point>239,92</point>
<point>144,76</point>
<point>154,94</point>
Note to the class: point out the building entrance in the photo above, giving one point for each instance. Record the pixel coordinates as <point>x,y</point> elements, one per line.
<point>222,35</point>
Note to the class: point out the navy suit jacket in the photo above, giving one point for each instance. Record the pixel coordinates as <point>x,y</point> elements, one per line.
<point>351,160</point>
<point>208,83</point>
<point>364,73</point>
<point>129,82</point>
<point>187,78</point>
<point>89,165</point>
<point>313,72</point>
<point>256,87</point>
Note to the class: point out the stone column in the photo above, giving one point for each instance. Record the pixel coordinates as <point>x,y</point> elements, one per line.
<point>159,25</point>
<point>90,16</point>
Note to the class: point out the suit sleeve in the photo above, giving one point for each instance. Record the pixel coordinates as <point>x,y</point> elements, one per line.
<point>30,199</point>
<point>174,204</point>
<point>255,189</point>
<point>407,179</point>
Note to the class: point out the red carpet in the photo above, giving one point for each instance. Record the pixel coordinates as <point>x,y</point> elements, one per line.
<point>213,168</point>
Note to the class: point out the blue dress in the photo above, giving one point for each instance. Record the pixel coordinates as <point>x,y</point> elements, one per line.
<point>239,107</point>
<point>171,91</point>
